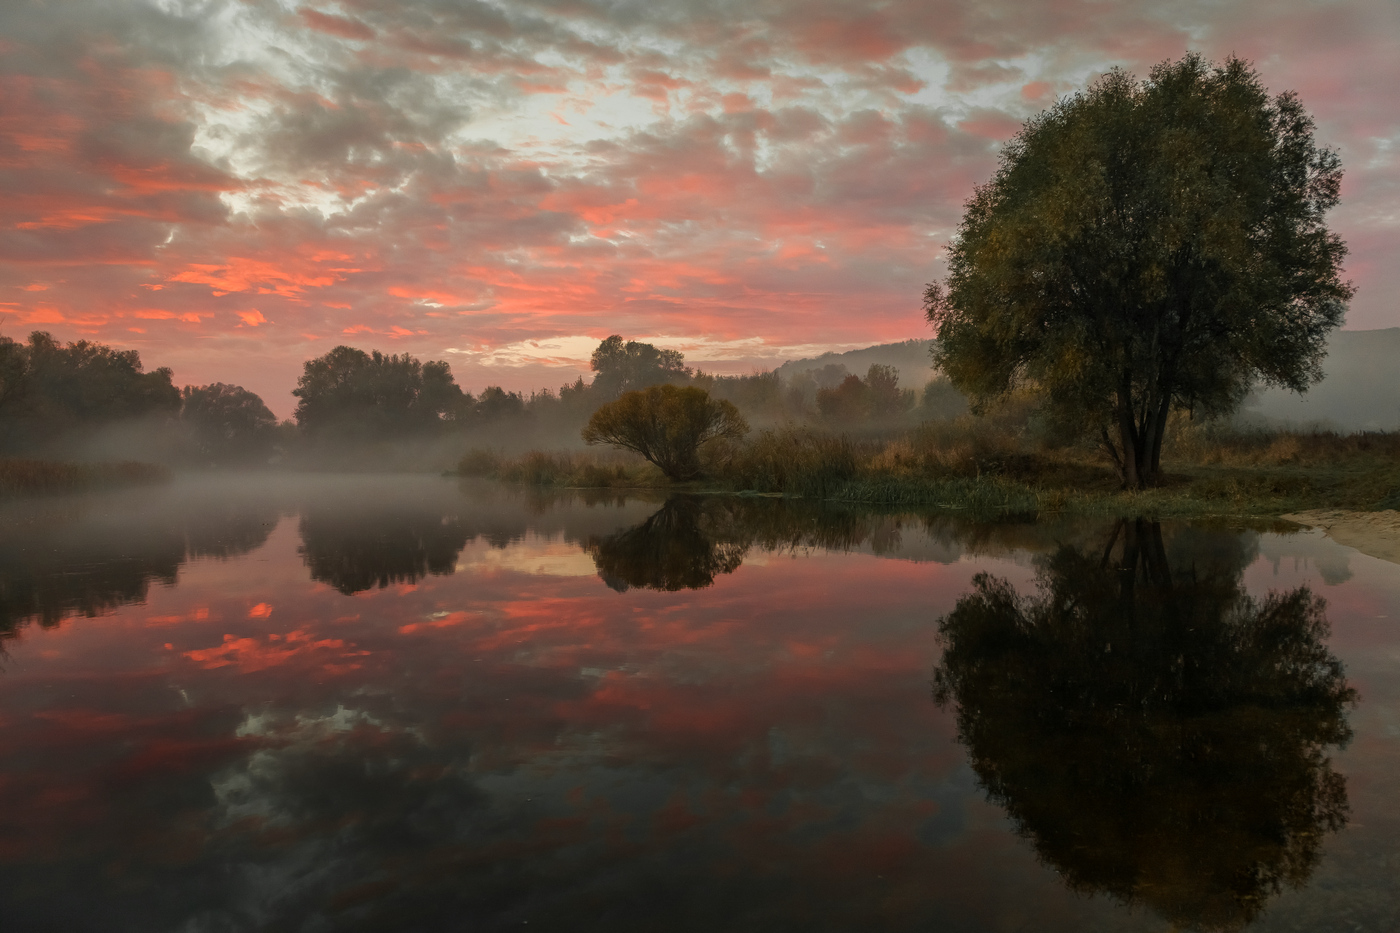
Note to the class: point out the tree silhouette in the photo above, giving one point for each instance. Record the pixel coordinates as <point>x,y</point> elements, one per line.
<point>682,546</point>
<point>1158,735</point>
<point>228,423</point>
<point>48,388</point>
<point>349,391</point>
<point>1147,247</point>
<point>360,550</point>
<point>628,366</point>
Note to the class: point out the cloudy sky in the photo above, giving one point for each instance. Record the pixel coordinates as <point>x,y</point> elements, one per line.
<point>234,186</point>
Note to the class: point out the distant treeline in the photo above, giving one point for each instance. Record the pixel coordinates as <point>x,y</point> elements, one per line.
<point>55,397</point>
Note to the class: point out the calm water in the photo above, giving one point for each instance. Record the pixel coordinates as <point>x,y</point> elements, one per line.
<point>329,703</point>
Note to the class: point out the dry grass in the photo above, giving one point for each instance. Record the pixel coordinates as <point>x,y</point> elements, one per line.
<point>988,466</point>
<point>574,469</point>
<point>19,477</point>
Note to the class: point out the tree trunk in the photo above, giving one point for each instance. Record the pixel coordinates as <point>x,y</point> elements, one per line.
<point>1128,438</point>
<point>1163,410</point>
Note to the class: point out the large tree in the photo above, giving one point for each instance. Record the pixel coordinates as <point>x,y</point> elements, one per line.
<point>627,366</point>
<point>48,388</point>
<point>227,423</point>
<point>1147,246</point>
<point>350,391</point>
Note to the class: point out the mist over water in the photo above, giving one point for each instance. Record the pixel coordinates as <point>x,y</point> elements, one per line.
<point>366,702</point>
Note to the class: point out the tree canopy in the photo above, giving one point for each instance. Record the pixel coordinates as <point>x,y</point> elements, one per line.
<point>227,423</point>
<point>666,424</point>
<point>1146,246</point>
<point>48,388</point>
<point>625,367</point>
<point>351,391</point>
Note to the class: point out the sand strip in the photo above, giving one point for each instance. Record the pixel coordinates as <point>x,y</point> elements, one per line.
<point>1373,533</point>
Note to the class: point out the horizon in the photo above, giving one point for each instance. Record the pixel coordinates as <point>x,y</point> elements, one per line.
<point>234,188</point>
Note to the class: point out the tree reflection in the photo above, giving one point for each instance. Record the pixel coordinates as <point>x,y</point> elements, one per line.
<point>1155,732</point>
<point>359,550</point>
<point>57,561</point>
<point>684,545</point>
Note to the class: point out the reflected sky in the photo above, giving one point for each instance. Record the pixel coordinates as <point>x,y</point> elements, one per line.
<point>410,703</point>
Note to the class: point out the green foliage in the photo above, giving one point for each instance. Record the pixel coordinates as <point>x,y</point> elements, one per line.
<point>626,367</point>
<point>666,424</point>
<point>1146,247</point>
<point>227,423</point>
<point>1154,731</point>
<point>351,392</point>
<point>48,389</point>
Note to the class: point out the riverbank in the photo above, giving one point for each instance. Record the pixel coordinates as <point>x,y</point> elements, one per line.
<point>27,477</point>
<point>987,473</point>
<point>1376,534</point>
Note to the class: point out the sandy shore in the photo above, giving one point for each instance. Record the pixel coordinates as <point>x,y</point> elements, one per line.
<point>1373,533</point>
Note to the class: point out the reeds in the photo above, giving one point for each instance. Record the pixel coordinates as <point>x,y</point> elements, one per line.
<point>18,477</point>
<point>572,469</point>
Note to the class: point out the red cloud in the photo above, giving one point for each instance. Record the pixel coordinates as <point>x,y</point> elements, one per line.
<point>336,25</point>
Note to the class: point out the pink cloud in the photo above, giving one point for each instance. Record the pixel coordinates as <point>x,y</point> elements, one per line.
<point>753,200</point>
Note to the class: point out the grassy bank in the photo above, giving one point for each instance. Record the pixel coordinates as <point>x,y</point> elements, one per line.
<point>21,477</point>
<point>966,465</point>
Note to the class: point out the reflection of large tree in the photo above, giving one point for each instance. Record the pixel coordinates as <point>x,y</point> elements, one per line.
<point>684,545</point>
<point>359,550</point>
<point>1155,732</point>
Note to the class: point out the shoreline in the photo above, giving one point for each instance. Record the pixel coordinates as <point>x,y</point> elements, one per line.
<point>1375,534</point>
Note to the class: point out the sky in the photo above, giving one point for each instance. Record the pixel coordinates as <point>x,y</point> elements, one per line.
<point>232,187</point>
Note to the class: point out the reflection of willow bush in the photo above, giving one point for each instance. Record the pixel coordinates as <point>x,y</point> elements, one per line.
<point>1159,736</point>
<point>683,545</point>
<point>691,540</point>
<point>354,552</point>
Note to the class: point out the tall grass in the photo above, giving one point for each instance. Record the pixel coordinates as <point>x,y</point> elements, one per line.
<point>989,466</point>
<point>18,477</point>
<point>575,469</point>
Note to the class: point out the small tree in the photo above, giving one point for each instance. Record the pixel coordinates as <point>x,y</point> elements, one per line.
<point>1144,247</point>
<point>666,424</point>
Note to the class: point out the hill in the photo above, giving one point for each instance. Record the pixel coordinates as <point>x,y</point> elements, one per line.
<point>910,357</point>
<point>1360,390</point>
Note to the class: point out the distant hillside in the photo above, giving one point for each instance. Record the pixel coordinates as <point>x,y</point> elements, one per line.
<point>910,357</point>
<point>1360,390</point>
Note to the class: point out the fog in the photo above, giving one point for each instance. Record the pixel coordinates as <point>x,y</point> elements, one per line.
<point>1360,390</point>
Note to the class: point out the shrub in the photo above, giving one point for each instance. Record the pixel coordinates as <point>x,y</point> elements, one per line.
<point>666,424</point>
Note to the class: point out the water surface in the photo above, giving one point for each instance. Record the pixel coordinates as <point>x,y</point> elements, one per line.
<point>408,703</point>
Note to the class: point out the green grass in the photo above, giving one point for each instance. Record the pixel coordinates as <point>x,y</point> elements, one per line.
<point>20,477</point>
